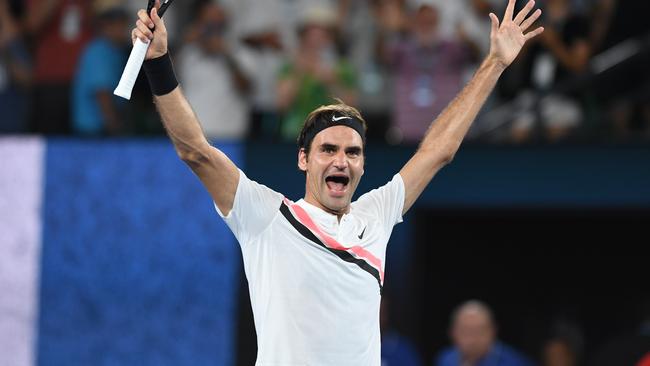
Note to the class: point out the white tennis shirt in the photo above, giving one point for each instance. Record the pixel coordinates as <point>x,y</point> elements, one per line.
<point>315,283</point>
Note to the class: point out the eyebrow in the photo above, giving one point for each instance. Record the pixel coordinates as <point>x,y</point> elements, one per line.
<point>350,149</point>
<point>329,146</point>
<point>353,149</point>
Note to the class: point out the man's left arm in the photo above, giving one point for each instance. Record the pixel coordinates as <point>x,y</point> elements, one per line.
<point>446,133</point>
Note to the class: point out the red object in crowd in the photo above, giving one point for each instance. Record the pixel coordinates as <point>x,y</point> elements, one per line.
<point>645,361</point>
<point>60,39</point>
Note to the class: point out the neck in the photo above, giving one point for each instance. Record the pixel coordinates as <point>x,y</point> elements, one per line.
<point>314,202</point>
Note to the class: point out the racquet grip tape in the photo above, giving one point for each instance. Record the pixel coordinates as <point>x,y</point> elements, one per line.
<point>150,6</point>
<point>163,7</point>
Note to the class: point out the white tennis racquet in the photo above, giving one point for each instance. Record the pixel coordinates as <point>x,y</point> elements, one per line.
<point>136,58</point>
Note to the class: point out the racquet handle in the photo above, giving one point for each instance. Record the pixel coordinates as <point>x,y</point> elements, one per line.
<point>132,69</point>
<point>136,58</point>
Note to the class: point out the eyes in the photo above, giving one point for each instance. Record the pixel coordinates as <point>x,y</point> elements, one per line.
<point>352,152</point>
<point>328,149</point>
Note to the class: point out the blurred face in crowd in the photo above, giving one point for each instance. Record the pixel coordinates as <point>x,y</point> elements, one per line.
<point>210,12</point>
<point>315,37</point>
<point>558,353</point>
<point>481,7</point>
<point>425,25</point>
<point>115,27</point>
<point>333,168</point>
<point>212,26</point>
<point>473,333</point>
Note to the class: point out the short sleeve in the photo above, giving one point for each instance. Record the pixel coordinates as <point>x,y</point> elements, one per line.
<point>253,210</point>
<point>386,202</point>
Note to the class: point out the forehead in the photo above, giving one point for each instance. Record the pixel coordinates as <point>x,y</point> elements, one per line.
<point>472,318</point>
<point>338,135</point>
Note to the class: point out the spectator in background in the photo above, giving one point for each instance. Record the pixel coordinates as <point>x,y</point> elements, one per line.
<point>211,74</point>
<point>563,52</point>
<point>96,111</point>
<point>15,70</point>
<point>60,29</point>
<point>474,25</point>
<point>263,53</point>
<point>428,71</point>
<point>360,35</point>
<point>315,74</point>
<point>558,352</point>
<point>564,346</point>
<point>464,20</point>
<point>474,334</point>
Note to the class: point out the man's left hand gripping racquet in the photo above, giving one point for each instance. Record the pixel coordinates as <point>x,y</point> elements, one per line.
<point>136,58</point>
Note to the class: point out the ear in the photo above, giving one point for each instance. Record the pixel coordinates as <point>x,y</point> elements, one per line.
<point>302,159</point>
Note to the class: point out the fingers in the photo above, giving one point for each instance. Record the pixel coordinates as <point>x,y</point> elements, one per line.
<point>137,33</point>
<point>146,23</point>
<point>534,33</point>
<point>528,22</point>
<point>144,17</point>
<point>144,30</point>
<point>524,12</point>
<point>157,20</point>
<point>495,23</point>
<point>510,9</point>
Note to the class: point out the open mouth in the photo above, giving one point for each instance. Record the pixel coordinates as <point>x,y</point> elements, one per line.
<point>337,183</point>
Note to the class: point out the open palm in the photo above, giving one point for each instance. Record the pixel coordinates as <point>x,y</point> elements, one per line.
<point>507,37</point>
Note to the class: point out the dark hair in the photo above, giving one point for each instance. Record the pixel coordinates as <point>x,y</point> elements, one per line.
<point>340,109</point>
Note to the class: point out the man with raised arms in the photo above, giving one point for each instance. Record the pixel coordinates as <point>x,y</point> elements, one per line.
<point>315,267</point>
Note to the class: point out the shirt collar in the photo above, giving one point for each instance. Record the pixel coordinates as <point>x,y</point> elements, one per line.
<point>318,213</point>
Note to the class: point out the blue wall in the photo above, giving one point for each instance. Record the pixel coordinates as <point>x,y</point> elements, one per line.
<point>551,176</point>
<point>137,267</point>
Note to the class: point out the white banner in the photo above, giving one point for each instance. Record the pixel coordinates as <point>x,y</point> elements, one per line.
<point>21,175</point>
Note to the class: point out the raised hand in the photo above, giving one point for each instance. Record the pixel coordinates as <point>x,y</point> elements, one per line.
<point>508,37</point>
<point>151,28</point>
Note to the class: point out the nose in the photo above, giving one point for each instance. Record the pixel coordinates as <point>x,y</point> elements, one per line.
<point>340,160</point>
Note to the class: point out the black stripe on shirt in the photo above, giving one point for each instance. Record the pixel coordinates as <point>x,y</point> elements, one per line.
<point>302,229</point>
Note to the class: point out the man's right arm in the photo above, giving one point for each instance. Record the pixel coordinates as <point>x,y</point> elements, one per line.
<point>217,172</point>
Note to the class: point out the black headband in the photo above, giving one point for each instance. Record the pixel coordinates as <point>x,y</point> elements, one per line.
<point>331,120</point>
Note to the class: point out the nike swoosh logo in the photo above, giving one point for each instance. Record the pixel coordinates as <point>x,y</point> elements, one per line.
<point>336,119</point>
<point>361,235</point>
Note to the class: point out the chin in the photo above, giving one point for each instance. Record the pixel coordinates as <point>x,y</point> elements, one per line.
<point>338,204</point>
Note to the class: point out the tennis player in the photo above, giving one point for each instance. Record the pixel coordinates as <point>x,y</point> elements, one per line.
<point>315,267</point>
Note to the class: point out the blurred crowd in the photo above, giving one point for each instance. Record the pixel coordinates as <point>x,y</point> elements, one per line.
<point>253,69</point>
<point>474,341</point>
